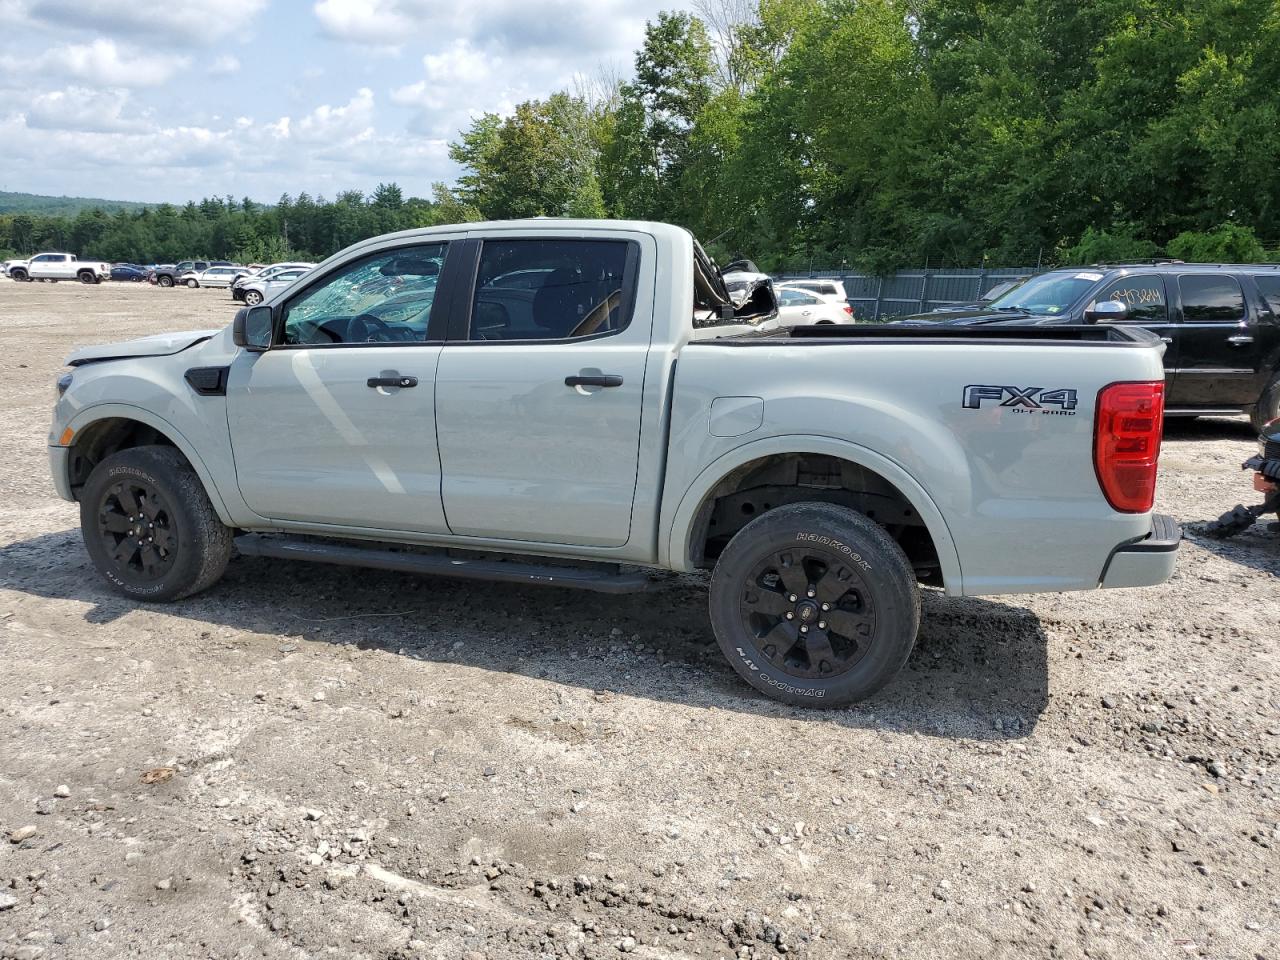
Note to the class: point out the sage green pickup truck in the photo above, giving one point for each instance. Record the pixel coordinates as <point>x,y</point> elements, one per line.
<point>571,402</point>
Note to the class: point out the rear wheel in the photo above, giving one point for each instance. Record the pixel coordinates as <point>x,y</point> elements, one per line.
<point>1268,406</point>
<point>87,276</point>
<point>165,281</point>
<point>149,526</point>
<point>252,297</point>
<point>815,605</point>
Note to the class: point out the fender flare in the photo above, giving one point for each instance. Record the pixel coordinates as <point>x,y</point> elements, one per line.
<point>124,411</point>
<point>674,548</point>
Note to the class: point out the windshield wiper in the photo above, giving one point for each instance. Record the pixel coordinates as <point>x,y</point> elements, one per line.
<point>1016,309</point>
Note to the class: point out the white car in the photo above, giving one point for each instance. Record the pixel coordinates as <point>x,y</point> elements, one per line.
<point>800,307</point>
<point>59,266</point>
<point>253,290</point>
<point>825,287</point>
<point>266,273</point>
<point>213,276</point>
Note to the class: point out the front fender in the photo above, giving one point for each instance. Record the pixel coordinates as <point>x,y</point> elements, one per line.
<point>87,416</point>
<point>675,547</point>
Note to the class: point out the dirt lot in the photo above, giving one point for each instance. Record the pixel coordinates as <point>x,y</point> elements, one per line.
<point>362,764</point>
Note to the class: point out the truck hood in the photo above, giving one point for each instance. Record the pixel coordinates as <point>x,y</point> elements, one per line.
<point>160,345</point>
<point>981,317</point>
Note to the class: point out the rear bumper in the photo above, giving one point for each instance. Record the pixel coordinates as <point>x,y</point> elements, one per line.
<point>1145,562</point>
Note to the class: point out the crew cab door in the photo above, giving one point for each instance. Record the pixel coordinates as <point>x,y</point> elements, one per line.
<point>1217,357</point>
<point>538,393</point>
<point>335,424</point>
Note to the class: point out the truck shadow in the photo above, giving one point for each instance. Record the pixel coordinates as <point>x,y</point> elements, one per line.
<point>979,669</point>
<point>1209,428</point>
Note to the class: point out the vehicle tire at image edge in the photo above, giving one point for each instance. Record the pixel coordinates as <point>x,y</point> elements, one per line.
<point>815,605</point>
<point>149,527</point>
<point>1268,405</point>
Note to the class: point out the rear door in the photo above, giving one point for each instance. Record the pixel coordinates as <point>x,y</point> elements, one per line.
<point>1217,353</point>
<point>538,394</point>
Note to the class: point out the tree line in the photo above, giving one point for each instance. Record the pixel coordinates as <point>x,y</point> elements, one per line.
<point>878,133</point>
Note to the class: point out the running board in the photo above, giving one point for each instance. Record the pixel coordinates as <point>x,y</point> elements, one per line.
<point>598,577</point>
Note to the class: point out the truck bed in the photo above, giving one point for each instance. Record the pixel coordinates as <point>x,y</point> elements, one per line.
<point>1093,334</point>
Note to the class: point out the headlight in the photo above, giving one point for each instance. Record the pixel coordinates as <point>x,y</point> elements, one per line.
<point>64,381</point>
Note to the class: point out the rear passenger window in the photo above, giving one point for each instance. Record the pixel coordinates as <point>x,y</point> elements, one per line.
<point>1144,296</point>
<point>1211,298</point>
<point>1269,287</point>
<point>550,290</point>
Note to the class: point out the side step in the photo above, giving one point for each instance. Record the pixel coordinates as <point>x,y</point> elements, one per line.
<point>598,577</point>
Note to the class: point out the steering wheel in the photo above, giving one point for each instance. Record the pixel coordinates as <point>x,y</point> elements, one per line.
<point>368,319</point>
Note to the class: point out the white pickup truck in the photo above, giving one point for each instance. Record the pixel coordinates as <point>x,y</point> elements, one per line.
<point>60,266</point>
<point>569,402</point>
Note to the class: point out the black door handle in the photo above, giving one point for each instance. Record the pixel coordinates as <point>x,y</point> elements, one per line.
<point>605,380</point>
<point>393,381</point>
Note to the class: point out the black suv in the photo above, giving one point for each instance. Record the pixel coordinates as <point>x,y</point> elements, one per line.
<point>1221,323</point>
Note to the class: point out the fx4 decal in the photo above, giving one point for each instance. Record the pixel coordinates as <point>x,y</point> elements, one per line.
<point>1021,399</point>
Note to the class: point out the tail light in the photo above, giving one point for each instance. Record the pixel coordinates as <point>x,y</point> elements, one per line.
<point>848,309</point>
<point>1126,443</point>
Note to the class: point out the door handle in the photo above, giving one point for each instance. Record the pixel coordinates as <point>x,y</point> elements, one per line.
<point>1240,338</point>
<point>396,381</point>
<point>604,380</point>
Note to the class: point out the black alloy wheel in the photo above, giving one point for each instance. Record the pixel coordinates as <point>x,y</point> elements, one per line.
<point>810,611</point>
<point>138,531</point>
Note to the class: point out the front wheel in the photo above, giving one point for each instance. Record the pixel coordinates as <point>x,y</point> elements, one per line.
<point>193,283</point>
<point>815,605</point>
<point>19,275</point>
<point>252,297</point>
<point>1268,406</point>
<point>149,526</point>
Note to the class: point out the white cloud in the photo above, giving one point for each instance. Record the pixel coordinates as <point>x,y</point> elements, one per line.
<point>223,65</point>
<point>101,63</point>
<point>328,125</point>
<point>83,110</point>
<point>187,22</point>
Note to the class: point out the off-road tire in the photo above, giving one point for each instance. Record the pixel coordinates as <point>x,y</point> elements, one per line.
<point>164,281</point>
<point>252,298</point>
<point>181,508</point>
<point>193,283</point>
<point>1268,406</point>
<point>86,276</point>
<point>881,597</point>
<point>21,276</point>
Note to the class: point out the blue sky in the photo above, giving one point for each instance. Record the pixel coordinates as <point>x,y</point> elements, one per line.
<point>177,100</point>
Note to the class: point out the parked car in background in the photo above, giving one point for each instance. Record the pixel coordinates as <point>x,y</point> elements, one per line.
<point>168,276</point>
<point>826,287</point>
<point>253,290</point>
<point>128,273</point>
<point>266,273</point>
<point>797,307</point>
<point>1220,324</point>
<point>222,276</point>
<point>60,266</point>
<point>995,293</point>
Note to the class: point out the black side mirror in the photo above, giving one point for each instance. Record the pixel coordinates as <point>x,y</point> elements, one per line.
<point>1107,311</point>
<point>252,328</point>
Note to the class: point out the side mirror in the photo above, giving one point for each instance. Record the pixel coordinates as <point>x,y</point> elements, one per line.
<point>1107,311</point>
<point>252,328</point>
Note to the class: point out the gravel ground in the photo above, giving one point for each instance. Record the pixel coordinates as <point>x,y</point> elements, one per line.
<point>321,762</point>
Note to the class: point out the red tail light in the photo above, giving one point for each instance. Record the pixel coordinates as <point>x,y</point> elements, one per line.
<point>1126,443</point>
<point>848,309</point>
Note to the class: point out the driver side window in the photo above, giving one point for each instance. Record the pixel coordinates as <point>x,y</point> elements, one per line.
<point>383,298</point>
